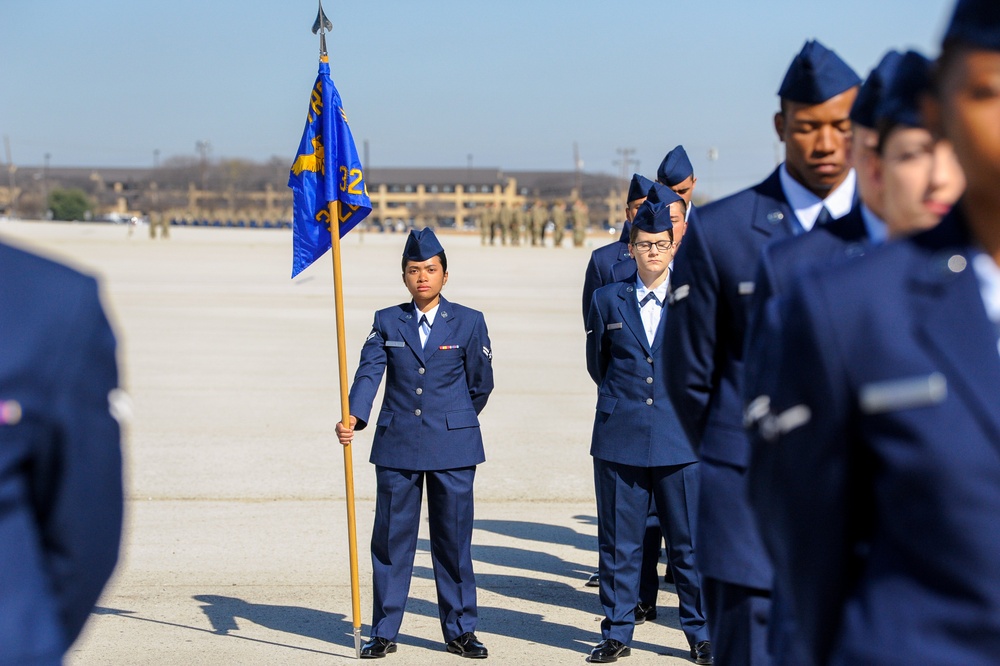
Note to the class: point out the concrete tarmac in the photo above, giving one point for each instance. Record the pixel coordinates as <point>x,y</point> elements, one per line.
<point>235,548</point>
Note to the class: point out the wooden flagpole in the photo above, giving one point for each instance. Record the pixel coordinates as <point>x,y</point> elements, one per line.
<point>345,412</point>
<point>321,26</point>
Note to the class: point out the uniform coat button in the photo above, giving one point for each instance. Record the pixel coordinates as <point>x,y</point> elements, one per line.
<point>649,380</point>
<point>649,401</point>
<point>416,412</point>
<point>420,391</point>
<point>649,359</point>
<point>420,371</point>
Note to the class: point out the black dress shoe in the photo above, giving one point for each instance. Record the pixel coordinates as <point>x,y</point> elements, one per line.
<point>608,651</point>
<point>376,648</point>
<point>702,653</point>
<point>644,612</point>
<point>594,580</point>
<point>469,646</point>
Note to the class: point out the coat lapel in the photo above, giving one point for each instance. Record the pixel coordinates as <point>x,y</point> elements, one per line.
<point>628,308</point>
<point>441,330</point>
<point>954,326</point>
<point>772,215</point>
<point>409,331</point>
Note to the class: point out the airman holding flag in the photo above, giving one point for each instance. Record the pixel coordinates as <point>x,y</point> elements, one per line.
<point>329,190</point>
<point>438,361</point>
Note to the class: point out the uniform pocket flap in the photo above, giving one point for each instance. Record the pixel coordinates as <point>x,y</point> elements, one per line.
<point>606,403</point>
<point>463,418</point>
<point>384,418</point>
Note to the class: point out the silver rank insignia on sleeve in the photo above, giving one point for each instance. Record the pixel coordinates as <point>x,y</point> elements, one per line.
<point>488,353</point>
<point>771,426</point>
<point>371,335</point>
<point>905,393</point>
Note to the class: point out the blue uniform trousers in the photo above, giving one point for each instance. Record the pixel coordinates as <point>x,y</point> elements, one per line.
<point>738,623</point>
<point>394,543</point>
<point>738,615</point>
<point>623,496</point>
<point>649,579</point>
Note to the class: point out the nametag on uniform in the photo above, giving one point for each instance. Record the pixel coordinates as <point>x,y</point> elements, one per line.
<point>448,347</point>
<point>906,393</point>
<point>680,293</point>
<point>613,327</point>
<point>746,288</point>
<point>395,343</point>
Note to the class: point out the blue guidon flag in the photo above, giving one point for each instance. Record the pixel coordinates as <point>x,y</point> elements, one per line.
<point>327,169</point>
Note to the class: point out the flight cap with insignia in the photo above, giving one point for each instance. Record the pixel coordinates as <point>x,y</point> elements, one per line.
<point>816,75</point>
<point>870,94</point>
<point>421,245</point>
<point>975,23</point>
<point>639,187</point>
<point>900,103</point>
<point>675,167</point>
<point>653,215</point>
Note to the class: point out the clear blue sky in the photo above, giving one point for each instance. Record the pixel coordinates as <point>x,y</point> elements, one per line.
<point>514,83</point>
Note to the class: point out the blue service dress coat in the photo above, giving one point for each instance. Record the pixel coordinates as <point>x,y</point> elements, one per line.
<point>602,261</point>
<point>781,265</point>
<point>433,394</point>
<point>60,457</point>
<point>712,290</point>
<point>632,401</point>
<point>879,477</point>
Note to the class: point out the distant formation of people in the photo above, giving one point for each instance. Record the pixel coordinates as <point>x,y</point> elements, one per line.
<point>500,224</point>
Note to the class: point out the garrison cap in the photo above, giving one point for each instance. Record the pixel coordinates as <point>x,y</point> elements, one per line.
<point>653,215</point>
<point>815,75</point>
<point>421,245</point>
<point>975,23</point>
<point>900,103</point>
<point>863,111</point>
<point>639,187</point>
<point>675,167</point>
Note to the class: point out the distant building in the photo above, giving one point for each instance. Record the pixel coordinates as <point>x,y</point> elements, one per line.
<point>245,194</point>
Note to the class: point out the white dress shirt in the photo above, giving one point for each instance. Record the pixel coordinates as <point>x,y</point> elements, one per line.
<point>989,287</point>
<point>807,205</point>
<point>878,232</point>
<point>651,312</point>
<point>425,331</point>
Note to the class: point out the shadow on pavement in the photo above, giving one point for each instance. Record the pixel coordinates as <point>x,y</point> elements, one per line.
<point>533,628</point>
<point>552,593</point>
<point>222,613</point>
<point>543,533</point>
<point>132,615</point>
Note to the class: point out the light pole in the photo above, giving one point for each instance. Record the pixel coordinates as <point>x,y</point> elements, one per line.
<point>45,185</point>
<point>713,156</point>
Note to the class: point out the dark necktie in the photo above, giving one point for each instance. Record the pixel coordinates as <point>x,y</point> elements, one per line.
<point>425,329</point>
<point>647,298</point>
<point>823,217</point>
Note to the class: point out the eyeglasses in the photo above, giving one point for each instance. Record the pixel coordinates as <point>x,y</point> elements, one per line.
<point>645,246</point>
